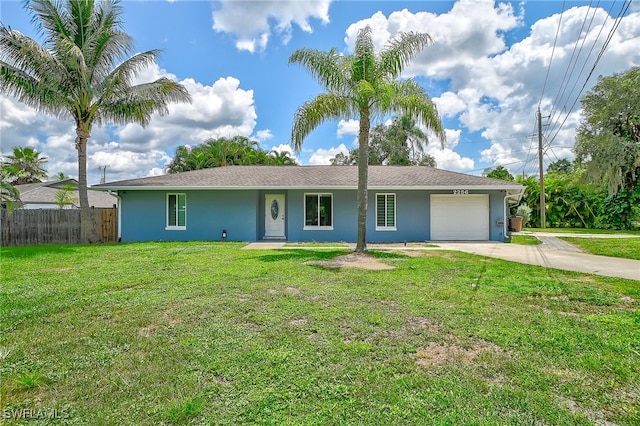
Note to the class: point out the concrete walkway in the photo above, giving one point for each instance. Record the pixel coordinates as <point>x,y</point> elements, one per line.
<point>552,253</point>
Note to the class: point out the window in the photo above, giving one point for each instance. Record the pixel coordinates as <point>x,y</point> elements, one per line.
<point>386,212</point>
<point>318,211</point>
<point>176,211</point>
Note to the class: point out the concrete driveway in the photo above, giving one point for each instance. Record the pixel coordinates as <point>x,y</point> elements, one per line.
<point>556,253</point>
<point>553,255</point>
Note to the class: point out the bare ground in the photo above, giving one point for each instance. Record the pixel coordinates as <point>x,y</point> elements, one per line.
<point>353,260</point>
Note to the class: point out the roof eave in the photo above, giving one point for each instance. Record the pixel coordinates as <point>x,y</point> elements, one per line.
<point>516,188</point>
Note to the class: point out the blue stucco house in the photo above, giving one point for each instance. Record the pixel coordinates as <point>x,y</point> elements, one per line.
<point>313,203</point>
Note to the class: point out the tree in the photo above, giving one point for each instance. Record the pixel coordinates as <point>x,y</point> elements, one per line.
<point>364,85</point>
<point>561,166</point>
<point>282,158</point>
<point>25,165</point>
<point>498,173</point>
<point>9,195</point>
<point>78,74</point>
<point>221,152</point>
<point>60,176</point>
<point>394,145</point>
<point>608,141</point>
<point>64,195</point>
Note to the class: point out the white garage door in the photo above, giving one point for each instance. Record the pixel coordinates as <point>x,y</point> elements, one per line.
<point>460,217</point>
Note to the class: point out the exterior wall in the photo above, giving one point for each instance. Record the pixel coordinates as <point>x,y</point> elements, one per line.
<point>144,216</point>
<point>412,217</point>
<point>344,217</point>
<point>241,214</point>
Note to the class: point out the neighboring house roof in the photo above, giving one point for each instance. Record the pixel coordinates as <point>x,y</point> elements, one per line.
<point>44,193</point>
<point>316,177</point>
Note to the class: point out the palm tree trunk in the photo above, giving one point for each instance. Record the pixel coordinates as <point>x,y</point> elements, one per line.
<point>88,232</point>
<point>363,176</point>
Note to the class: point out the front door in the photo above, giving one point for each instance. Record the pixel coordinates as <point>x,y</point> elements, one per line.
<point>274,217</point>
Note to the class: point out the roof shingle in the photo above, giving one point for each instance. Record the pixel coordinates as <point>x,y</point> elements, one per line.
<point>310,177</point>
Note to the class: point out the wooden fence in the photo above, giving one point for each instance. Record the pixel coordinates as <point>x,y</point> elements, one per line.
<point>53,226</point>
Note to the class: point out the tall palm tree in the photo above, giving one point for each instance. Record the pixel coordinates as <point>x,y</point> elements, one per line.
<point>82,72</point>
<point>25,165</point>
<point>364,85</point>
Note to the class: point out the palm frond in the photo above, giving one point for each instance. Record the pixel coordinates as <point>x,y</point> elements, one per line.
<point>138,103</point>
<point>363,66</point>
<point>122,76</point>
<point>27,89</point>
<point>24,53</point>
<point>50,18</point>
<point>401,50</point>
<point>412,100</point>
<point>324,67</point>
<point>311,114</point>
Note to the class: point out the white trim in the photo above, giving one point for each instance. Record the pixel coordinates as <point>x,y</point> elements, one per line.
<point>306,227</point>
<point>176,227</point>
<point>395,211</point>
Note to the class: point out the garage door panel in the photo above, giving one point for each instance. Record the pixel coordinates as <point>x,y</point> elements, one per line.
<point>460,217</point>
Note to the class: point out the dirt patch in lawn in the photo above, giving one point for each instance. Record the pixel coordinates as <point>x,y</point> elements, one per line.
<point>436,354</point>
<point>353,260</point>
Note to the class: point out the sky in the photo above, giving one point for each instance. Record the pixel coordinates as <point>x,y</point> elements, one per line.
<point>490,67</point>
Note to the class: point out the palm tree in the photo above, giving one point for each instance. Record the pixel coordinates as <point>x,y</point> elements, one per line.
<point>281,158</point>
<point>9,195</point>
<point>60,176</point>
<point>25,165</point>
<point>82,72</point>
<point>364,85</point>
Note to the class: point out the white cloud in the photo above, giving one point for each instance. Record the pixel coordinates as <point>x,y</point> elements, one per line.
<point>449,104</point>
<point>253,23</point>
<point>263,135</point>
<point>348,127</point>
<point>220,110</point>
<point>128,164</point>
<point>450,160</point>
<point>322,156</point>
<point>494,89</point>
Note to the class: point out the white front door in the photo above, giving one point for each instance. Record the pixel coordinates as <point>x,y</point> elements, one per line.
<point>274,216</point>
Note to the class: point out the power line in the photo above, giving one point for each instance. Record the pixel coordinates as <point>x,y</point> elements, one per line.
<point>623,11</point>
<point>555,41</point>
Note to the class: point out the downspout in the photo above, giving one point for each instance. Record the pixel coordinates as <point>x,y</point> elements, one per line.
<point>506,219</point>
<point>115,194</point>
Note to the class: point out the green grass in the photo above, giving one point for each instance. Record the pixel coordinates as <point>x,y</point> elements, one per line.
<point>207,333</point>
<point>581,231</point>
<point>616,247</point>
<point>527,240</point>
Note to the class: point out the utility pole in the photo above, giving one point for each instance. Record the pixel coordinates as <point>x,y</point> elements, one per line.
<point>104,173</point>
<point>543,219</point>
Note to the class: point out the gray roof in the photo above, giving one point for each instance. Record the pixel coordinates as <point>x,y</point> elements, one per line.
<point>312,177</point>
<point>45,193</point>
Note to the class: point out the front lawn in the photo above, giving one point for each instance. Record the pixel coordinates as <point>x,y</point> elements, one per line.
<point>207,333</point>
<point>616,247</point>
<point>581,231</point>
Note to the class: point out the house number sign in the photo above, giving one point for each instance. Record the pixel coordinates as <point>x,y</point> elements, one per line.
<point>460,192</point>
